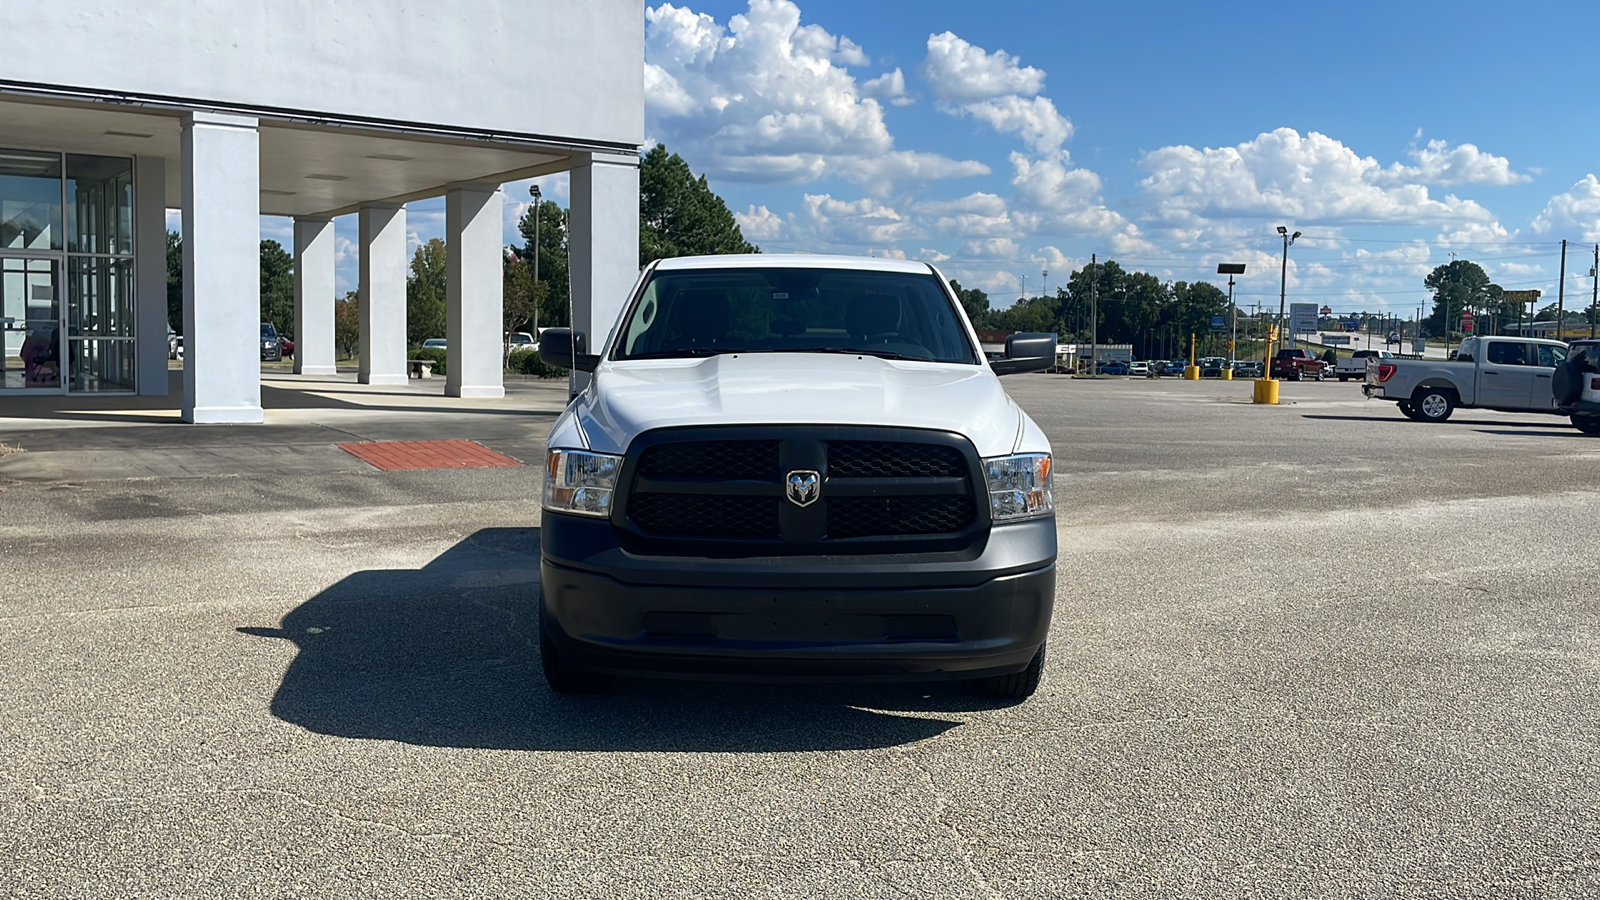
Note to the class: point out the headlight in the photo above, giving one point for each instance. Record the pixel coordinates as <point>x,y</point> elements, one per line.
<point>1019,486</point>
<point>577,481</point>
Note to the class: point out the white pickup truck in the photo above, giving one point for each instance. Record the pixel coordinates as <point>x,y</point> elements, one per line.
<point>796,467</point>
<point>1511,374</point>
<point>1356,365</point>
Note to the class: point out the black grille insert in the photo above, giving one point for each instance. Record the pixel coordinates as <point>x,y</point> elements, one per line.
<point>705,515</point>
<point>893,459</point>
<point>712,460</point>
<point>850,517</point>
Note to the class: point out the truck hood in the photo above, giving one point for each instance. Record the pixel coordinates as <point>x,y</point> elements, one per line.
<point>627,398</point>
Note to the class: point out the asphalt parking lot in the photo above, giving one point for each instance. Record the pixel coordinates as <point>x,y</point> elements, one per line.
<point>1313,650</point>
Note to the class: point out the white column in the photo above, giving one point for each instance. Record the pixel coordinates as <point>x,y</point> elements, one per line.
<point>221,269</point>
<point>604,244</point>
<point>474,269</point>
<point>383,295</point>
<point>313,296</point>
<point>150,266</point>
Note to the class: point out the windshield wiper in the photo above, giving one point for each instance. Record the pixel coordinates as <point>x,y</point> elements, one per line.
<point>863,351</point>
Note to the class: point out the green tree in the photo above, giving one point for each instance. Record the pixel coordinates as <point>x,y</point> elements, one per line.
<point>679,215</point>
<point>426,289</point>
<point>175,281</point>
<point>975,302</point>
<point>553,262</point>
<point>1460,285</point>
<point>347,324</point>
<point>277,288</point>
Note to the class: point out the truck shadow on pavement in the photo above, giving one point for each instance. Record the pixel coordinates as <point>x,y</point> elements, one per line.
<point>447,656</point>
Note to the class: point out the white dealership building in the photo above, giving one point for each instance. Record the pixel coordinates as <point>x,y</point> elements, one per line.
<point>112,113</point>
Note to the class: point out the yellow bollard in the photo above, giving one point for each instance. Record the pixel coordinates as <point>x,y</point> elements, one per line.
<point>1266,391</point>
<point>1191,373</point>
<point>1227,374</point>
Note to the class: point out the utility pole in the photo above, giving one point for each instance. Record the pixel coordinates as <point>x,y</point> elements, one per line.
<point>1044,278</point>
<point>1594,296</point>
<point>1561,294</point>
<point>1283,287</point>
<point>1094,314</point>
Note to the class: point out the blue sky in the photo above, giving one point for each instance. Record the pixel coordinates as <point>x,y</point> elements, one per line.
<point>1005,139</point>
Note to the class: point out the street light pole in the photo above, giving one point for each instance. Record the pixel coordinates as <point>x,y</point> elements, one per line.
<point>1230,270</point>
<point>1283,287</point>
<point>1094,315</point>
<point>537,199</point>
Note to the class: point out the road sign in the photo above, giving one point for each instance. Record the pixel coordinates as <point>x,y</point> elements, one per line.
<point>1340,339</point>
<point>1520,296</point>
<point>1466,321</point>
<point>1327,310</point>
<point>1219,325</point>
<point>1302,318</point>
<point>1419,345</point>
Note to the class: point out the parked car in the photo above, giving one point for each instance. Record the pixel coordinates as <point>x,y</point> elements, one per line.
<point>174,344</point>
<point>1575,386</point>
<point>1248,368</point>
<point>1356,365</point>
<point>271,351</point>
<point>1212,366</point>
<point>285,346</point>
<point>1511,374</point>
<point>520,340</point>
<point>435,344</point>
<point>1139,367</point>
<point>1176,366</point>
<point>1114,367</point>
<point>682,533</point>
<point>1297,364</point>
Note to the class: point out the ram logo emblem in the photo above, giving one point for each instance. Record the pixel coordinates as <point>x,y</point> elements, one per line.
<point>804,487</point>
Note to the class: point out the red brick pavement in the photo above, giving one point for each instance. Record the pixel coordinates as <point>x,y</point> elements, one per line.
<point>392,456</point>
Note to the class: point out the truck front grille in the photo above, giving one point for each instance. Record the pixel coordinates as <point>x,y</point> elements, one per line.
<point>881,490</point>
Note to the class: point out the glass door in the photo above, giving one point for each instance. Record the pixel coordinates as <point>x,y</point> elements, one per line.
<point>31,339</point>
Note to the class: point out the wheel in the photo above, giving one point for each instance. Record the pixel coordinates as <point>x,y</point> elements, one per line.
<point>1343,379</point>
<point>564,679</point>
<point>1018,685</point>
<point>1587,424</point>
<point>1433,404</point>
<point>1409,411</point>
<point>1295,376</point>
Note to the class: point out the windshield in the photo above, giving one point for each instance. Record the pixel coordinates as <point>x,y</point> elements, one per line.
<point>268,333</point>
<point>896,315</point>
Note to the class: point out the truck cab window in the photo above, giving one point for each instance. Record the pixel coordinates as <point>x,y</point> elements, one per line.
<point>1469,347</point>
<point>1551,356</point>
<point>1507,353</point>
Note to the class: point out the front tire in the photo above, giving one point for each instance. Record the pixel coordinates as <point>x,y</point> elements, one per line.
<point>1409,411</point>
<point>1018,685</point>
<point>562,678</point>
<point>1434,404</point>
<point>1586,423</point>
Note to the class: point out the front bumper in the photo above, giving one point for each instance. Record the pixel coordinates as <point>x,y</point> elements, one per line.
<point>893,617</point>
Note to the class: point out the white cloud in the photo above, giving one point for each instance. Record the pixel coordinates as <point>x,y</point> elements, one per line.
<point>768,99</point>
<point>1054,198</point>
<point>890,86</point>
<point>1282,175</point>
<point>1437,163</point>
<point>759,223</point>
<point>1577,209</point>
<point>851,226</point>
<point>996,89</point>
<point>961,73</point>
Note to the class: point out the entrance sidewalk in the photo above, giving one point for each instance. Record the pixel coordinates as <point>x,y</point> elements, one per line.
<point>78,438</point>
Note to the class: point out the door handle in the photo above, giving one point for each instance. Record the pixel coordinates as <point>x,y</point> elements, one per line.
<point>1490,373</point>
<point>1543,375</point>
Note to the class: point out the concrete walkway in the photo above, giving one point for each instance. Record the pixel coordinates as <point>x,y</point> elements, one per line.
<point>78,438</point>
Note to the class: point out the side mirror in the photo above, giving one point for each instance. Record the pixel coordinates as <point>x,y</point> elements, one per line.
<point>560,348</point>
<point>1026,353</point>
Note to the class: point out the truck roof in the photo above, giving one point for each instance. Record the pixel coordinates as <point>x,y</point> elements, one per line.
<point>794,261</point>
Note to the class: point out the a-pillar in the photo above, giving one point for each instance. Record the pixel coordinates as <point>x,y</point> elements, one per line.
<point>603,244</point>
<point>474,269</point>
<point>383,295</point>
<point>150,272</point>
<point>313,296</point>
<point>221,268</point>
